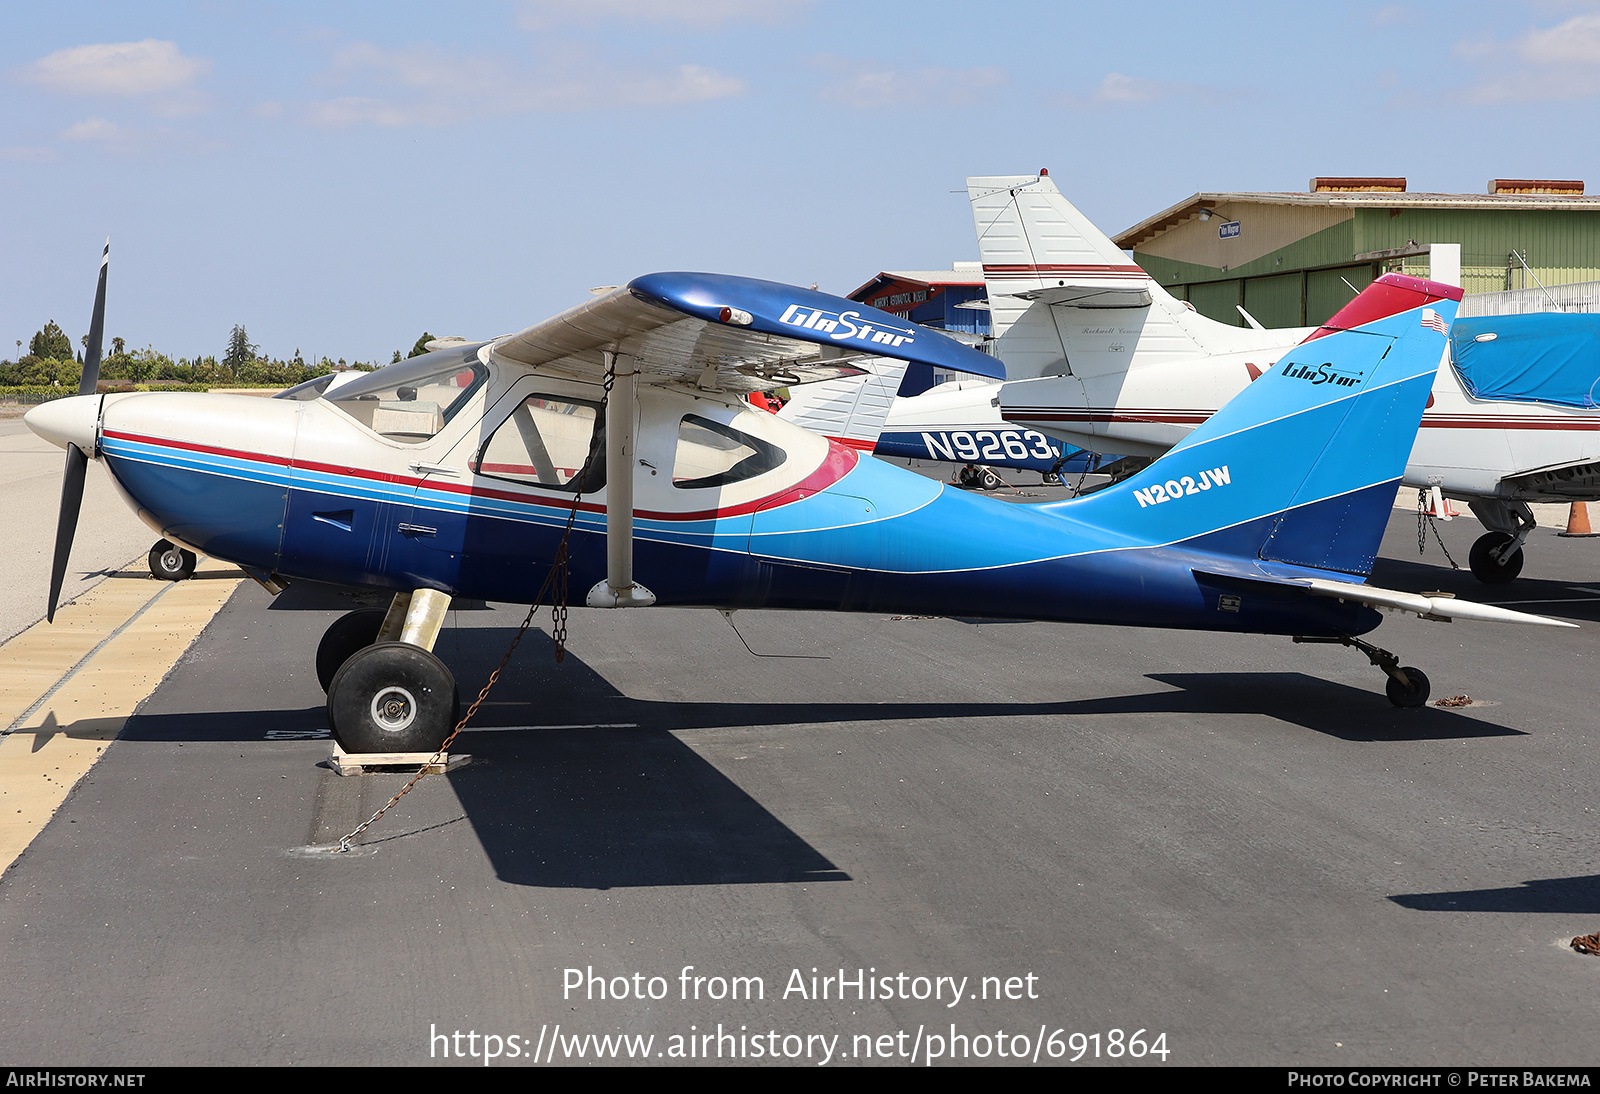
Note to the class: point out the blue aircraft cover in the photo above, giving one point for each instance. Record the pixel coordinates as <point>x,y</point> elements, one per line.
<point>1549,357</point>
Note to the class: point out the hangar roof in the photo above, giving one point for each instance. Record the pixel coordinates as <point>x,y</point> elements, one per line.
<point>1151,227</point>
<point>962,273</point>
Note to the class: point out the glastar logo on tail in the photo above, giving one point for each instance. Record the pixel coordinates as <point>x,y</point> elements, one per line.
<point>844,326</point>
<point>1324,373</point>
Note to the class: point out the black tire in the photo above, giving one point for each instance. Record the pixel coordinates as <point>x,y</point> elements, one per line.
<point>1050,478</point>
<point>1414,696</point>
<point>1485,568</point>
<point>350,632</point>
<point>169,562</point>
<point>392,697</point>
<point>991,481</point>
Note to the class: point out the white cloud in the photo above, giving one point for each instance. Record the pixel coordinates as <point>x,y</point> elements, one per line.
<point>124,69</point>
<point>1577,41</point>
<point>868,85</point>
<point>1117,88</point>
<point>423,85</point>
<point>544,14</point>
<point>93,129</point>
<point>1397,14</point>
<point>1120,90</point>
<point>1556,63</point>
<point>124,140</point>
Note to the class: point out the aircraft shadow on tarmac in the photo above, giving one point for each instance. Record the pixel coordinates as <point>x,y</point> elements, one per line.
<point>1567,895</point>
<point>616,808</point>
<point>620,801</point>
<point>537,692</point>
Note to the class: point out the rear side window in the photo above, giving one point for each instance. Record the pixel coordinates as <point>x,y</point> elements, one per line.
<point>546,442</point>
<point>713,454</point>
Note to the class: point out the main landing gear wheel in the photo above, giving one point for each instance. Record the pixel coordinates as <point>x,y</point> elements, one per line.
<point>169,562</point>
<point>392,697</point>
<point>351,632</point>
<point>1489,570</point>
<point>1414,695</point>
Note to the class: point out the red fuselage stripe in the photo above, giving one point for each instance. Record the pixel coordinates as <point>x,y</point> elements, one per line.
<point>838,463</point>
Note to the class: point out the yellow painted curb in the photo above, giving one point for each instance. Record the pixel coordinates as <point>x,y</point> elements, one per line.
<point>67,688</point>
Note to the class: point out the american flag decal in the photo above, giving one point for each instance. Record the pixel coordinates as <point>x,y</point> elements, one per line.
<point>1434,321</point>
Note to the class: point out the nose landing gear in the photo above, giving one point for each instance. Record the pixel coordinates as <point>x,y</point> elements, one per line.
<point>169,562</point>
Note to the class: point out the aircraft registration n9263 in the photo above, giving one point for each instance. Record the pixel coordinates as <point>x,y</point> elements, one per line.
<point>454,474</point>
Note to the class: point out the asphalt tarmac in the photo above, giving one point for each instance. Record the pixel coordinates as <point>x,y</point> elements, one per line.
<point>1202,849</point>
<point>30,499</point>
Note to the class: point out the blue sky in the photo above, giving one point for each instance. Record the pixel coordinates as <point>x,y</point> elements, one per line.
<point>339,176</point>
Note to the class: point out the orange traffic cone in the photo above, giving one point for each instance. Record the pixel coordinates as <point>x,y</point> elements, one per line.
<point>1578,521</point>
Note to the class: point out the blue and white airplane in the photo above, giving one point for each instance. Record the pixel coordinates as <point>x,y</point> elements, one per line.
<point>455,474</point>
<point>957,422</point>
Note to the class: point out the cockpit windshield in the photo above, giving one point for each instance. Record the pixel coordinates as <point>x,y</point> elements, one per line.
<point>410,401</point>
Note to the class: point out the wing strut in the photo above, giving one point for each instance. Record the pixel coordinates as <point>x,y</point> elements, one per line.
<point>619,590</point>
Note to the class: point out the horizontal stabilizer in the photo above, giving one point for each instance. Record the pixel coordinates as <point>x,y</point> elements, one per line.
<point>1088,296</point>
<point>1437,607</point>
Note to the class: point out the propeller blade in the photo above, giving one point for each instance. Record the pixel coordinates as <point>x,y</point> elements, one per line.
<point>78,463</point>
<point>67,523</point>
<point>90,382</point>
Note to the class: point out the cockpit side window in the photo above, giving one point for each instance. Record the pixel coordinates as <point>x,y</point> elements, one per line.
<point>712,454</point>
<point>309,391</point>
<point>546,442</point>
<point>411,401</point>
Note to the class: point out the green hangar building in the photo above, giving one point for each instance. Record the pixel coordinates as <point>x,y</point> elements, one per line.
<point>1292,260</point>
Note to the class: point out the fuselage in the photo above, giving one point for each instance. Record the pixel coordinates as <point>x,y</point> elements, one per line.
<point>395,493</point>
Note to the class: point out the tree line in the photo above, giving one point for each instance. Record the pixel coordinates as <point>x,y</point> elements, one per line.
<point>52,362</point>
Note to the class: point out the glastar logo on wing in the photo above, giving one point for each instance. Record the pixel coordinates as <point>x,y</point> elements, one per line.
<point>843,326</point>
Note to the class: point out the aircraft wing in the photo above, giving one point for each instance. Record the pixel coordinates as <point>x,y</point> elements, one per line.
<point>735,334</point>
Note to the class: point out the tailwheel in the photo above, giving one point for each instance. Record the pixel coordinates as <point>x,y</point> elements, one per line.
<point>1413,692</point>
<point>1489,564</point>
<point>1406,686</point>
<point>392,697</point>
<point>169,562</point>
<point>349,633</point>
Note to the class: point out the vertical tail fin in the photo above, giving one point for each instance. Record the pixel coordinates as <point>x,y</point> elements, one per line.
<point>1063,298</point>
<point>1300,467</point>
<point>851,409</point>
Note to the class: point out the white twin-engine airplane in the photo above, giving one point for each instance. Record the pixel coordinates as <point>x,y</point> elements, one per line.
<point>1098,355</point>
